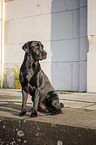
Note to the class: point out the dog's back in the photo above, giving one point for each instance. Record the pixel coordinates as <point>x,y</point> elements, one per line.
<point>45,85</point>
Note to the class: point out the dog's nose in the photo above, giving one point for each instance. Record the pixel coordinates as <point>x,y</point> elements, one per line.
<point>44,54</point>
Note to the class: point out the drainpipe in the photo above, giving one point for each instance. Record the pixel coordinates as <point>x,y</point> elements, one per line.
<point>2,42</point>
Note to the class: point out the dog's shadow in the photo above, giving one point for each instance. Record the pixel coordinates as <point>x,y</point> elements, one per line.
<point>13,110</point>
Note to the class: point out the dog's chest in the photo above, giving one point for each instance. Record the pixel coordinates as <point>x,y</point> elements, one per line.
<point>29,75</point>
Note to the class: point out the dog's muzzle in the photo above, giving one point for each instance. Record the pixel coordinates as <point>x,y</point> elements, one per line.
<point>44,55</point>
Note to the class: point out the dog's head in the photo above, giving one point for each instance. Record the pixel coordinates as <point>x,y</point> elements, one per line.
<point>35,49</point>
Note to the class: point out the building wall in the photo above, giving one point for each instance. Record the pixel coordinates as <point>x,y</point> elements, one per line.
<point>0,43</point>
<point>61,26</point>
<point>91,64</point>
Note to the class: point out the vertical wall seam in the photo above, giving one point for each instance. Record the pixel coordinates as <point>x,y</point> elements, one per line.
<point>2,42</point>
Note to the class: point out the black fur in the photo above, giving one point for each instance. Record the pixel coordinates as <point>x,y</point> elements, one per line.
<point>34,81</point>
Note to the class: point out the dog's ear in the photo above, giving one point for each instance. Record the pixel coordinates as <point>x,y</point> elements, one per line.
<point>26,46</point>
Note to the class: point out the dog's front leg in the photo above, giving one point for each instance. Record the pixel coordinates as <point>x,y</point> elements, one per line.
<point>36,98</point>
<point>35,106</point>
<point>24,100</point>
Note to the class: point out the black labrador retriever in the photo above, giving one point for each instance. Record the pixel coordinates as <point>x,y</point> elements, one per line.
<point>34,82</point>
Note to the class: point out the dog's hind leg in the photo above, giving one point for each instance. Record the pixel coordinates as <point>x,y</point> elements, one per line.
<point>54,105</point>
<point>24,100</point>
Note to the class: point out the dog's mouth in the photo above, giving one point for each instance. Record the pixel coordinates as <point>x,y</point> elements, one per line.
<point>41,57</point>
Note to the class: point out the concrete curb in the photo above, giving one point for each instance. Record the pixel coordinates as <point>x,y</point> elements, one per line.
<point>21,132</point>
<point>76,126</point>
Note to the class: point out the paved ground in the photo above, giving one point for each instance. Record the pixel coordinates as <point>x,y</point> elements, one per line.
<point>79,111</point>
<point>73,100</point>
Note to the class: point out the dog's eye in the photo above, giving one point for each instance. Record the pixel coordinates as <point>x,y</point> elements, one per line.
<point>37,45</point>
<point>41,49</point>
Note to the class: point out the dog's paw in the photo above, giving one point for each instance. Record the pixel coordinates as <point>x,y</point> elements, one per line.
<point>61,105</point>
<point>22,113</point>
<point>33,115</point>
<point>55,112</point>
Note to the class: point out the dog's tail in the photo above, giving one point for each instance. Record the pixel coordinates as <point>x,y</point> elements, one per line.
<point>61,105</point>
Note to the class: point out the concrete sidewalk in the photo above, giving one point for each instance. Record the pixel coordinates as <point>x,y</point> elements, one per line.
<point>81,106</point>
<point>76,126</point>
<point>72,100</point>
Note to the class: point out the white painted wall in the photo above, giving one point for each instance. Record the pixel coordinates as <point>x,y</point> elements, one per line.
<point>61,27</point>
<point>91,64</point>
<point>0,45</point>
